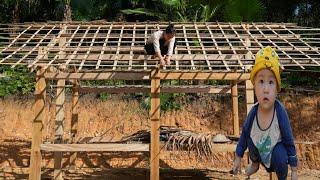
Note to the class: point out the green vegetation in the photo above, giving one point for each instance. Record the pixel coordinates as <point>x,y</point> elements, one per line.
<point>16,81</point>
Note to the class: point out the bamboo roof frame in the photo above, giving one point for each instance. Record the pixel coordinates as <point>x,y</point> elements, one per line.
<point>114,46</point>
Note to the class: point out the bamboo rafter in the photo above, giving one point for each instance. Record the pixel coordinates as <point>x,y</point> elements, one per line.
<point>99,46</point>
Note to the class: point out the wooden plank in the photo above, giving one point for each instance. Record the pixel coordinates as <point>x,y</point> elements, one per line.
<point>112,147</point>
<point>138,57</point>
<point>155,125</point>
<point>146,75</point>
<point>99,76</point>
<point>59,128</point>
<point>37,126</point>
<point>74,120</point>
<point>249,95</point>
<point>204,75</point>
<point>235,109</point>
<point>165,89</point>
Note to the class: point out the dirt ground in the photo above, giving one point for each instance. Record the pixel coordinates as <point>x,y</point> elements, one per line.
<point>119,116</point>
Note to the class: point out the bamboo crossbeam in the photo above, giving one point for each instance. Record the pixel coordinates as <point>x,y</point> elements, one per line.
<point>112,147</point>
<point>164,89</point>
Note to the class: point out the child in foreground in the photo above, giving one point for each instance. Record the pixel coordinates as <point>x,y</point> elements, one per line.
<point>266,132</point>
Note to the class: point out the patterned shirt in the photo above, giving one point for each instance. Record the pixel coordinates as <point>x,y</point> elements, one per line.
<point>265,139</point>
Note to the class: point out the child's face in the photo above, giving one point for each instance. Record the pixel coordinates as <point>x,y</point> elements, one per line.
<point>265,86</point>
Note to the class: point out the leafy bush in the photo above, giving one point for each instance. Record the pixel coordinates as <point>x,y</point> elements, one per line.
<point>167,102</point>
<point>16,81</point>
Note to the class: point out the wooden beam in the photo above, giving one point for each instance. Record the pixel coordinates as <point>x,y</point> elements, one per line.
<point>155,125</point>
<point>37,126</point>
<point>74,120</point>
<point>235,109</point>
<point>59,128</point>
<point>164,89</point>
<point>146,75</point>
<point>112,147</point>
<point>249,95</point>
<point>100,76</point>
<point>204,75</point>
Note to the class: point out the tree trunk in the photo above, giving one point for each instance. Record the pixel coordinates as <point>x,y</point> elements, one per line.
<point>15,12</point>
<point>67,13</point>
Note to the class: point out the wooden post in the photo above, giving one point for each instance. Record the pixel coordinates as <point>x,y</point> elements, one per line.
<point>155,125</point>
<point>235,110</point>
<point>57,174</point>
<point>249,95</point>
<point>249,86</point>
<point>74,120</point>
<point>59,129</point>
<point>37,126</point>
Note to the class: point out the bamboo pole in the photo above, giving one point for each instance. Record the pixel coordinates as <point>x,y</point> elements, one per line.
<point>37,126</point>
<point>59,128</point>
<point>74,120</point>
<point>155,125</point>
<point>235,110</point>
<point>249,85</point>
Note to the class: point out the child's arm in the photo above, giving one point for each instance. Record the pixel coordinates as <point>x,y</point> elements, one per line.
<point>242,144</point>
<point>245,133</point>
<point>287,137</point>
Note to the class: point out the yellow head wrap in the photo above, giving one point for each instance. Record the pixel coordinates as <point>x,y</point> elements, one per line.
<point>267,58</point>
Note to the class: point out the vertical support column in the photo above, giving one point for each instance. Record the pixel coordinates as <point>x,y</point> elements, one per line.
<point>249,86</point>
<point>249,95</point>
<point>37,126</point>
<point>74,120</point>
<point>235,110</point>
<point>59,128</point>
<point>155,125</point>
